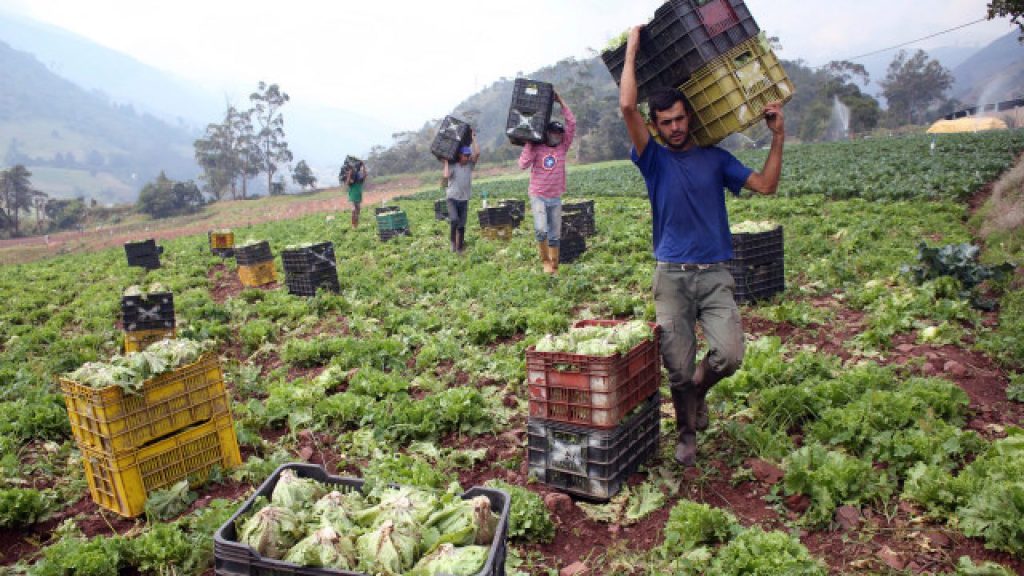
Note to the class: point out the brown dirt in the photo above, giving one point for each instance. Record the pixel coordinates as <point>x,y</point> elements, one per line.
<point>249,212</point>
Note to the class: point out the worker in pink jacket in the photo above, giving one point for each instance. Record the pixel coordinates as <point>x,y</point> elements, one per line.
<point>546,162</point>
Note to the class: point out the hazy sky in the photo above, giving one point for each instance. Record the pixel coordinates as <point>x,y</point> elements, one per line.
<point>410,60</point>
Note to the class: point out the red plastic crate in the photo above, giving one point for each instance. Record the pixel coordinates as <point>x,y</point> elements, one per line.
<point>594,391</point>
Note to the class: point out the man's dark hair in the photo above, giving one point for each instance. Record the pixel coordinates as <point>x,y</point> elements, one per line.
<point>662,100</point>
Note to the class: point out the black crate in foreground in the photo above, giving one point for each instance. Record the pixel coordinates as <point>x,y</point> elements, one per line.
<point>145,254</point>
<point>315,258</point>
<point>572,245</point>
<point>495,216</point>
<point>153,311</point>
<point>252,254</point>
<point>306,284</point>
<point>758,281</point>
<point>758,247</point>
<point>231,558</point>
<point>589,462</point>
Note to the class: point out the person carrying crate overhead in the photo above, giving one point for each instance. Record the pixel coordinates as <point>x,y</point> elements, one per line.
<point>546,162</point>
<point>459,177</point>
<point>354,177</point>
<point>692,242</point>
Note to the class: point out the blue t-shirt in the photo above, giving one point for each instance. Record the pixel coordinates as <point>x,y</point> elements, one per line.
<point>686,189</point>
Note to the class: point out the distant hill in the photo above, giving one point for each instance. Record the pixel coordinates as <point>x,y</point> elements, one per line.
<point>320,134</point>
<point>77,142</point>
<point>993,74</point>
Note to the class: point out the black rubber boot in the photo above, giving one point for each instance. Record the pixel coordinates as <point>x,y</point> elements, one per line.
<point>684,402</point>
<point>704,377</point>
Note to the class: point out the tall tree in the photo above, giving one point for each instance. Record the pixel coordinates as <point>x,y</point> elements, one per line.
<point>912,85</point>
<point>228,153</point>
<point>1014,9</point>
<point>17,194</point>
<point>303,175</point>
<point>270,138</point>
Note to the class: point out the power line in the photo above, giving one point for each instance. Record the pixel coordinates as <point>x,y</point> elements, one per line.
<point>954,29</point>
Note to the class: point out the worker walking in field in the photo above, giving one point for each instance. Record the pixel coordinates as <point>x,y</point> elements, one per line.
<point>546,162</point>
<point>460,184</point>
<point>692,242</point>
<point>354,179</point>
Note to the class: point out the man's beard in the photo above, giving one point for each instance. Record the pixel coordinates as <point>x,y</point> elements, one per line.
<point>681,146</point>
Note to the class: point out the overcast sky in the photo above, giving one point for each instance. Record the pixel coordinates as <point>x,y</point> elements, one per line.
<point>407,61</point>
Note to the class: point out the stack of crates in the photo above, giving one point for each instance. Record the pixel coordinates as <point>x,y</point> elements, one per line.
<point>758,265</point>
<point>310,268</point>
<point>496,222</point>
<point>452,135</point>
<point>594,420</point>
<point>391,222</point>
<point>713,51</point>
<point>517,208</point>
<point>255,264</point>
<point>177,427</point>
<point>147,318</point>
<point>222,243</point>
<point>530,111</point>
<point>144,254</point>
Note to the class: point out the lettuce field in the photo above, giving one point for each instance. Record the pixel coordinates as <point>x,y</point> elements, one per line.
<point>874,428</point>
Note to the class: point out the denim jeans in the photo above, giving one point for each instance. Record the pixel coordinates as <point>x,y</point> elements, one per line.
<point>547,219</point>
<point>682,298</point>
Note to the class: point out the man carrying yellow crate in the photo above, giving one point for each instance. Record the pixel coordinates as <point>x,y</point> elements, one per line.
<point>692,242</point>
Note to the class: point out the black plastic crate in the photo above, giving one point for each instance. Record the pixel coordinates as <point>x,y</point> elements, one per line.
<point>683,37</point>
<point>452,135</point>
<point>315,258</point>
<point>572,245</point>
<point>518,209</point>
<point>441,209</point>
<point>154,311</point>
<point>758,247</point>
<point>232,558</point>
<point>144,254</point>
<point>589,462</point>
<point>253,254</point>
<point>495,216</point>
<point>530,111</point>
<point>141,249</point>
<point>757,281</point>
<point>223,252</point>
<point>307,283</point>
<point>578,222</point>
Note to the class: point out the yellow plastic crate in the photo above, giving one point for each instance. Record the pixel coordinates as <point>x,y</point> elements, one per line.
<point>139,340</point>
<point>222,240</point>
<point>257,274</point>
<point>112,421</point>
<point>122,483</point>
<point>729,94</point>
<point>503,232</point>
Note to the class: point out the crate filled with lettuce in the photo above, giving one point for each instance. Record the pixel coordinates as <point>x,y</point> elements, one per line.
<point>304,521</point>
<point>758,264</point>
<point>594,374</point>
